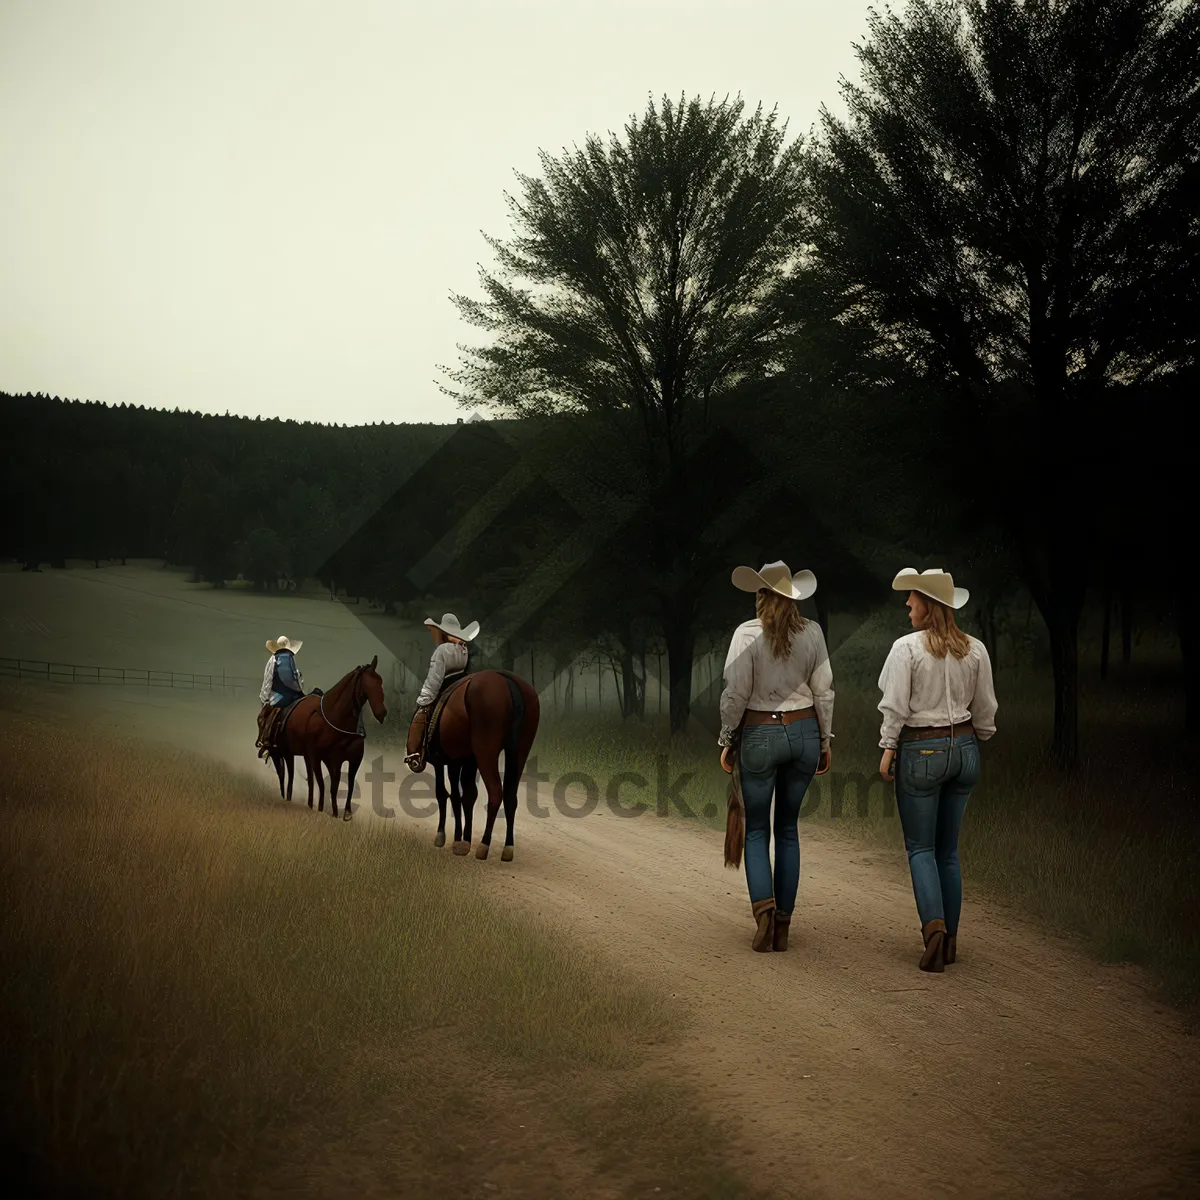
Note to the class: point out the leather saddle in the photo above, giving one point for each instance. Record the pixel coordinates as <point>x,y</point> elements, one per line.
<point>272,724</point>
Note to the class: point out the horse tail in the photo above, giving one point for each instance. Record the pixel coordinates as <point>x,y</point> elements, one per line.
<point>512,768</point>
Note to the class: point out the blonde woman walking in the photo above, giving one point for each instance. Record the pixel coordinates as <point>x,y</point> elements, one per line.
<point>777,711</point>
<point>938,704</point>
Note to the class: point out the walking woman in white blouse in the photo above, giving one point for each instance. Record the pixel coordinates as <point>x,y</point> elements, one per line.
<point>938,705</point>
<point>777,708</point>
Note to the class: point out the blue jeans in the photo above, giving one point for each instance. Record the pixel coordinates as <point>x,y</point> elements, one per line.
<point>933,782</point>
<point>781,759</point>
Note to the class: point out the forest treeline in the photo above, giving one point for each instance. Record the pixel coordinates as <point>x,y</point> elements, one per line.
<point>954,328</point>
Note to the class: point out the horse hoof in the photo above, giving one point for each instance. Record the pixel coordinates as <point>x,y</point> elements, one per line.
<point>439,839</point>
<point>482,851</point>
<point>346,815</point>
<point>462,847</point>
<point>506,854</point>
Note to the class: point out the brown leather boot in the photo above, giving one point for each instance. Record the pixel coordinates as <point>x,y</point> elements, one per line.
<point>764,914</point>
<point>934,934</point>
<point>414,750</point>
<point>951,938</point>
<point>782,921</point>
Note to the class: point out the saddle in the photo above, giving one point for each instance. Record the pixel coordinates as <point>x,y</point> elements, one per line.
<point>448,688</point>
<point>270,725</point>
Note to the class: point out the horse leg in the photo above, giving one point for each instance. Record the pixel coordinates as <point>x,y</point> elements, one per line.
<point>277,762</point>
<point>462,814</point>
<point>512,781</point>
<point>291,772</point>
<point>335,778</point>
<point>316,769</point>
<point>490,770</point>
<point>464,784</point>
<point>352,764</point>
<point>439,786</point>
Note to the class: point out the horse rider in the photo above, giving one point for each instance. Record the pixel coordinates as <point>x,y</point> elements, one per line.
<point>447,665</point>
<point>282,685</point>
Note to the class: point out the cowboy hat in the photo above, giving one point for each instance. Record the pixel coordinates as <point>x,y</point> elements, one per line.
<point>935,583</point>
<point>449,624</point>
<point>281,643</point>
<point>776,577</point>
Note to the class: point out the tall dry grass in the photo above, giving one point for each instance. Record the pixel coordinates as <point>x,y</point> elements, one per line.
<point>194,972</point>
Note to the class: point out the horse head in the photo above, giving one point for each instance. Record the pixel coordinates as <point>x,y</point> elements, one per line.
<point>371,684</point>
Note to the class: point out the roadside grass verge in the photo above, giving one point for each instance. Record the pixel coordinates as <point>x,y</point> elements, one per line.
<point>204,989</point>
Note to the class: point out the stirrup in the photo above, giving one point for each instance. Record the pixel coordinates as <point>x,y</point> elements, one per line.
<point>414,761</point>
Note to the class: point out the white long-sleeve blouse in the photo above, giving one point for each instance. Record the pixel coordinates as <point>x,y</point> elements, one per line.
<point>447,658</point>
<point>913,684</point>
<point>756,679</point>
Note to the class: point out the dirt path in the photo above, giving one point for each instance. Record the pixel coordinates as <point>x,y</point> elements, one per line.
<point>1024,1070</point>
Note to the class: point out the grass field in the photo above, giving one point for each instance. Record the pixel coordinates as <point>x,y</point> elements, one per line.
<point>204,997</point>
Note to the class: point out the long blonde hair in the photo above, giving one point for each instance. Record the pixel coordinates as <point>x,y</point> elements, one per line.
<point>942,633</point>
<point>780,619</point>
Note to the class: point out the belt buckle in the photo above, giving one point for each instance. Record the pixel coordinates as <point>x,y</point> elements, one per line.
<point>777,716</point>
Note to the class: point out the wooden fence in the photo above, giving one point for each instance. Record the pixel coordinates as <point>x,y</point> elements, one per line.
<point>53,672</point>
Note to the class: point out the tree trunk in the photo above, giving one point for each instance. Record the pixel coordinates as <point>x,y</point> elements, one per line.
<point>1191,659</point>
<point>627,685</point>
<point>1105,635</point>
<point>1126,627</point>
<point>681,645</point>
<point>821,599</point>
<point>1062,624</point>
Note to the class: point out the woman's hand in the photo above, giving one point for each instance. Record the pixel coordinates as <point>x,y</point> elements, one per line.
<point>825,761</point>
<point>726,765</point>
<point>886,764</point>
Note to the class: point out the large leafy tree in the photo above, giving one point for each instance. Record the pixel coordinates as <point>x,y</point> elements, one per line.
<point>637,289</point>
<point>1008,208</point>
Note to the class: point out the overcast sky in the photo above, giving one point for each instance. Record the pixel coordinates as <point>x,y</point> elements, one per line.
<point>263,207</point>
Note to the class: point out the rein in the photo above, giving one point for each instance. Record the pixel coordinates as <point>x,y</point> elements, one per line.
<point>348,732</point>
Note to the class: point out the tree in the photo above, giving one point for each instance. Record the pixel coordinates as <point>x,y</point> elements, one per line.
<point>638,289</point>
<point>264,557</point>
<point>1007,210</point>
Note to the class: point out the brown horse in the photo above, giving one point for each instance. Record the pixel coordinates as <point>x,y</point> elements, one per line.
<point>278,757</point>
<point>488,712</point>
<point>323,729</point>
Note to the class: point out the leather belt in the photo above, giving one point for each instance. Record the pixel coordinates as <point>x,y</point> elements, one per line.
<point>756,716</point>
<point>914,733</point>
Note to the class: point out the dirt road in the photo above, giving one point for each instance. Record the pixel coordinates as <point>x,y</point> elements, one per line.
<point>1024,1070</point>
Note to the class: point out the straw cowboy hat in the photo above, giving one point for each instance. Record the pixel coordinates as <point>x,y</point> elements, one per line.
<point>449,624</point>
<point>776,577</point>
<point>282,643</point>
<point>935,583</point>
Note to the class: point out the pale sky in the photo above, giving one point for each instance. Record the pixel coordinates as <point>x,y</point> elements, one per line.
<point>263,207</point>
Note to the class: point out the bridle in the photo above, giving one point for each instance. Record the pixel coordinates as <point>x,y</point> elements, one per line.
<point>360,698</point>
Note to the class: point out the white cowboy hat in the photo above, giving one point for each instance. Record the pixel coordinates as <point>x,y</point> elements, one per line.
<point>776,577</point>
<point>449,624</point>
<point>281,643</point>
<point>935,583</point>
